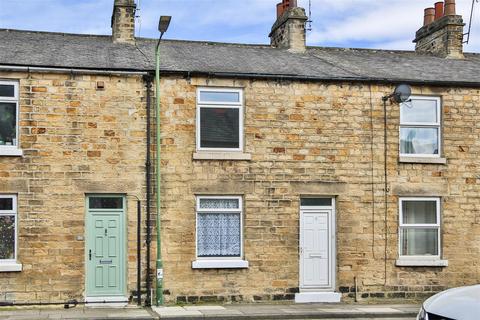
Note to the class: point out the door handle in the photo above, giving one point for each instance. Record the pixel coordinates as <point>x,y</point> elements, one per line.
<point>315,256</point>
<point>89,254</point>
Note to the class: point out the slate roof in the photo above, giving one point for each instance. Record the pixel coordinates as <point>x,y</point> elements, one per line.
<point>47,49</point>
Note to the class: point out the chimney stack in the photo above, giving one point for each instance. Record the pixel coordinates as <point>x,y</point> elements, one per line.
<point>123,21</point>
<point>442,32</point>
<point>288,32</point>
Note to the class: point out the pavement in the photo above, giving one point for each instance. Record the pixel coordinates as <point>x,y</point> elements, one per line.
<point>288,311</point>
<point>217,312</point>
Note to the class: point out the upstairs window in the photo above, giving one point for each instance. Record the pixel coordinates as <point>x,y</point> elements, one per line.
<point>420,128</point>
<point>8,117</point>
<point>219,119</point>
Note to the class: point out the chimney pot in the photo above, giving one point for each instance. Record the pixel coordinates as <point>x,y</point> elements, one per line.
<point>429,16</point>
<point>438,10</point>
<point>450,8</point>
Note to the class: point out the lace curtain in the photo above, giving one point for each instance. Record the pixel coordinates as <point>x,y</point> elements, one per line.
<point>218,232</point>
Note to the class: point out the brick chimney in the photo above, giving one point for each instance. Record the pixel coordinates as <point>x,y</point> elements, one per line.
<point>288,32</point>
<point>123,21</point>
<point>442,32</point>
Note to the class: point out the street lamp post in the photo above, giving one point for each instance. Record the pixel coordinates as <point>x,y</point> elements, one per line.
<point>162,27</point>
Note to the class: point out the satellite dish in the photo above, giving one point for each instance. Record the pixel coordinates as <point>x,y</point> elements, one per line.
<point>402,93</point>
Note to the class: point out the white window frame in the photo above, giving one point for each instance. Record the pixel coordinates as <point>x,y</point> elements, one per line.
<point>11,264</point>
<point>437,125</point>
<point>13,150</point>
<point>436,226</point>
<point>219,262</point>
<point>225,105</point>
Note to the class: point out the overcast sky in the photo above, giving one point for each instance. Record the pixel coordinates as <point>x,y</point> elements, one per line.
<point>387,24</point>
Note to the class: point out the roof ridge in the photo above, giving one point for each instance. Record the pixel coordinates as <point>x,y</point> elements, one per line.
<point>236,44</point>
<point>56,33</point>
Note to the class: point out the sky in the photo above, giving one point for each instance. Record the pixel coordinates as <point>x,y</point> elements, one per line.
<point>382,24</point>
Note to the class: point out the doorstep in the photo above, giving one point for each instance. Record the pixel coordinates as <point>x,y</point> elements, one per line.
<point>106,302</point>
<point>315,297</point>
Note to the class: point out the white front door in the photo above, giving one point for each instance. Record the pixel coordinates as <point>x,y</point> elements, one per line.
<point>316,246</point>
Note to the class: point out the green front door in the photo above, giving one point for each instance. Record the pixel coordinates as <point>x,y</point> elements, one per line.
<point>105,246</point>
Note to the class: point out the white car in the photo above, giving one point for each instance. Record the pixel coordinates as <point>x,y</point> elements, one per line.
<point>461,303</point>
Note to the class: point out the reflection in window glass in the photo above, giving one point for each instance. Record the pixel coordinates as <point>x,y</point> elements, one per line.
<point>419,212</point>
<point>316,201</point>
<point>6,204</point>
<point>7,237</point>
<point>217,96</point>
<point>219,128</point>
<point>419,140</point>
<point>8,123</point>
<point>416,242</point>
<point>106,202</point>
<point>7,90</point>
<point>419,110</point>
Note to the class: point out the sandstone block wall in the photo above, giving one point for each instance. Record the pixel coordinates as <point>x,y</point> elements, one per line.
<point>76,140</point>
<point>323,139</point>
<point>318,139</point>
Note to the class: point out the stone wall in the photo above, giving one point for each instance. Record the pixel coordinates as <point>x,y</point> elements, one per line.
<point>318,139</point>
<point>76,140</point>
<point>304,139</point>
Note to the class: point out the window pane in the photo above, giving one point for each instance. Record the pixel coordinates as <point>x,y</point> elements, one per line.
<point>419,140</point>
<point>6,204</point>
<point>419,212</point>
<point>106,202</point>
<point>216,96</point>
<point>419,111</point>
<point>7,90</point>
<point>8,123</point>
<point>219,128</point>
<point>416,242</point>
<point>7,237</point>
<point>218,235</point>
<point>316,202</point>
<point>219,204</point>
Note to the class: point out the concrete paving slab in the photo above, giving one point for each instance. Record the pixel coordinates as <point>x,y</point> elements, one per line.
<point>378,310</point>
<point>333,310</point>
<point>176,311</point>
<point>204,308</point>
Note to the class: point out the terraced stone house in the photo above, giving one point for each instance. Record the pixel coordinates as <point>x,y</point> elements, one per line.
<point>287,172</point>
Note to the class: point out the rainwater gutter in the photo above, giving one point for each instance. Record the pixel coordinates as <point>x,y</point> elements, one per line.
<point>14,68</point>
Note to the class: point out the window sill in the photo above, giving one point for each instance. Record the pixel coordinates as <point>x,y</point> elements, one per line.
<point>10,267</point>
<point>421,262</point>
<point>207,155</point>
<point>219,264</point>
<point>10,151</point>
<point>426,160</point>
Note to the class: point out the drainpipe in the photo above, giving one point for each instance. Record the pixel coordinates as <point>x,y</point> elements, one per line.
<point>148,166</point>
